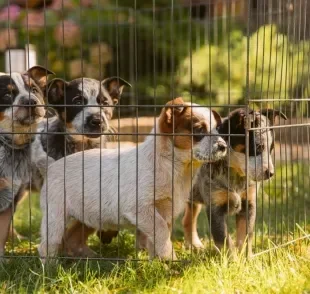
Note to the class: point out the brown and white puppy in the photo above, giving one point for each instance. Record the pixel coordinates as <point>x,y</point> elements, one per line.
<point>84,108</point>
<point>116,188</point>
<point>21,109</point>
<point>222,186</point>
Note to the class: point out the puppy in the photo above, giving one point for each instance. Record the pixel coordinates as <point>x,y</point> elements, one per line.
<point>105,196</point>
<point>21,109</point>
<point>83,109</point>
<point>221,186</point>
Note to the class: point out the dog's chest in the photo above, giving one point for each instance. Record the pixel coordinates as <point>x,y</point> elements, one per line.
<point>214,178</point>
<point>174,187</point>
<point>15,163</point>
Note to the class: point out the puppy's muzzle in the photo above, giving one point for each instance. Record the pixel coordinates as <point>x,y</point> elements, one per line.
<point>97,124</point>
<point>219,149</point>
<point>210,149</point>
<point>268,174</point>
<point>221,146</point>
<point>30,110</point>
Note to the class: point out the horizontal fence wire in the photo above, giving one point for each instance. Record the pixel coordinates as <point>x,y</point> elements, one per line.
<point>230,56</point>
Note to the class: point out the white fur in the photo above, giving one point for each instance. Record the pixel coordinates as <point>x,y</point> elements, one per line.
<point>114,198</point>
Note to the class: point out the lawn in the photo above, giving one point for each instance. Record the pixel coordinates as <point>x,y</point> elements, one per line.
<point>283,207</point>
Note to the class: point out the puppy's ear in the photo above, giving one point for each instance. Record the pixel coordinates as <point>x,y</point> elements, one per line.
<point>217,117</point>
<point>115,86</point>
<point>175,108</point>
<point>272,114</point>
<point>39,74</point>
<point>56,91</point>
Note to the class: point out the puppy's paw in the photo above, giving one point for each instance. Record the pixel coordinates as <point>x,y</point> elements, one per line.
<point>142,241</point>
<point>194,242</point>
<point>82,251</point>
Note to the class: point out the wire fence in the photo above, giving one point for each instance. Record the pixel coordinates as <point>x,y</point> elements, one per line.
<point>246,60</point>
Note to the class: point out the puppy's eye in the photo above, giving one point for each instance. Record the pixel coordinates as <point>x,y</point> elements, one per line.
<point>34,90</point>
<point>78,100</point>
<point>105,103</point>
<point>199,133</point>
<point>7,97</point>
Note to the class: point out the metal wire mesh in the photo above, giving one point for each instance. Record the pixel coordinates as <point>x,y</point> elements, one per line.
<point>224,55</point>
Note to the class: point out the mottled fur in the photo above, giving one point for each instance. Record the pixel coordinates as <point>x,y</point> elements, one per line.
<point>84,108</point>
<point>222,187</point>
<point>21,108</point>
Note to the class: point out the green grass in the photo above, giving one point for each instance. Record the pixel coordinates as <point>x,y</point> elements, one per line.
<point>282,271</point>
<point>283,204</point>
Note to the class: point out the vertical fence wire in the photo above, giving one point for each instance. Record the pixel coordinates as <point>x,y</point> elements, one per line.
<point>282,201</point>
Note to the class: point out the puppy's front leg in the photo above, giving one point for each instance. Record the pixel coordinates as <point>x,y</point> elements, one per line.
<point>189,223</point>
<point>75,240</point>
<point>217,219</point>
<point>21,195</point>
<point>5,221</point>
<point>158,243</point>
<point>243,224</point>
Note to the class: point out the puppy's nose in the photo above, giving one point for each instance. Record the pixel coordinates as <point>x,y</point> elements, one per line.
<point>33,102</point>
<point>222,146</point>
<point>96,122</point>
<point>268,174</point>
<point>29,102</point>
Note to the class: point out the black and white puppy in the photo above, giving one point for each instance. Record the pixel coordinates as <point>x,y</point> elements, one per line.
<point>21,109</point>
<point>84,108</point>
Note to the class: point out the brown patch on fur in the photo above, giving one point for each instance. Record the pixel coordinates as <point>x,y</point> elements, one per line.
<point>241,225</point>
<point>190,217</point>
<point>224,197</point>
<point>239,148</point>
<point>74,242</point>
<point>180,119</point>
<point>22,139</point>
<point>69,125</point>
<point>251,194</point>
<point>11,88</point>
<point>2,117</point>
<point>4,183</point>
<point>164,208</point>
<point>220,197</point>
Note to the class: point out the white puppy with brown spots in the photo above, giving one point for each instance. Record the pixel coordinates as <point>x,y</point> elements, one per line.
<point>106,189</point>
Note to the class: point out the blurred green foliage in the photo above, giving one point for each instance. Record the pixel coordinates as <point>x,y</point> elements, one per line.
<point>277,67</point>
<point>164,53</point>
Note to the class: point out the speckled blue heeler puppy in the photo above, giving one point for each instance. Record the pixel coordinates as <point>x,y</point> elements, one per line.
<point>21,109</point>
<point>221,186</point>
<point>84,108</point>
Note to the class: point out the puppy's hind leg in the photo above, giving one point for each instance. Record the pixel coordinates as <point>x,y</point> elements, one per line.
<point>159,243</point>
<point>75,240</point>
<point>189,222</point>
<point>5,221</point>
